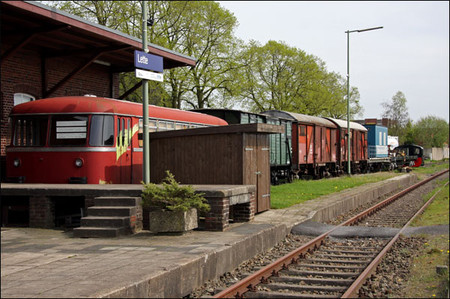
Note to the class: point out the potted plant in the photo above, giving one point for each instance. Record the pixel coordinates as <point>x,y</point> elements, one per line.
<point>173,208</point>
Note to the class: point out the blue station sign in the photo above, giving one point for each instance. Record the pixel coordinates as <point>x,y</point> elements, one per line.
<point>147,61</point>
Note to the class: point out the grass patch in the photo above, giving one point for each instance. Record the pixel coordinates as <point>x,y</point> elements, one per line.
<point>431,167</point>
<point>286,195</point>
<point>437,212</point>
<point>424,282</point>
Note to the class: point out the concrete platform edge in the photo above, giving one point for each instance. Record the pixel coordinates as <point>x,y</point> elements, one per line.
<point>180,281</point>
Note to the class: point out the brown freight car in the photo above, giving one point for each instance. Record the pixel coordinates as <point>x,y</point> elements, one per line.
<point>314,144</point>
<point>358,150</point>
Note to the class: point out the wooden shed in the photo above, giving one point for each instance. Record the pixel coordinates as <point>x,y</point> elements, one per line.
<point>225,155</point>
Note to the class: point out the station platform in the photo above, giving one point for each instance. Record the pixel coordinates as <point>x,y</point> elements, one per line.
<point>52,263</point>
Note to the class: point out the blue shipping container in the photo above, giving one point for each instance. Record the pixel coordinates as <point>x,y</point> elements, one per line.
<point>377,141</point>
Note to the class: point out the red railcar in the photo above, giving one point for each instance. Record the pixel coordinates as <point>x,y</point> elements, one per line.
<point>313,143</point>
<point>358,148</point>
<point>86,139</point>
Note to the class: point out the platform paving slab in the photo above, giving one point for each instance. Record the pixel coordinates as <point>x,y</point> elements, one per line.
<point>52,263</point>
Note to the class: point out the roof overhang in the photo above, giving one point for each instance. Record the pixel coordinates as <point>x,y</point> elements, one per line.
<point>54,33</point>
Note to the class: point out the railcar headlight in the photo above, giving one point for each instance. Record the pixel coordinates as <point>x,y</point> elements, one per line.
<point>17,162</point>
<point>78,162</point>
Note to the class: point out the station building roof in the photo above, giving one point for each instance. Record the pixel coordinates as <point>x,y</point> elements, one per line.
<point>52,32</point>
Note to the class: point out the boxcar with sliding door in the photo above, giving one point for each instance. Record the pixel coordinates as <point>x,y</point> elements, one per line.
<point>313,144</point>
<point>358,146</point>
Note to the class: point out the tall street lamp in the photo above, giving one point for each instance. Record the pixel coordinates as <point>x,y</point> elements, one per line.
<point>348,93</point>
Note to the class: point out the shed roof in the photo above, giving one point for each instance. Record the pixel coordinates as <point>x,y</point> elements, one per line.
<point>54,33</point>
<point>256,128</point>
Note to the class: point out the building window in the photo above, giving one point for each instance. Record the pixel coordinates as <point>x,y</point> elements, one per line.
<point>20,98</point>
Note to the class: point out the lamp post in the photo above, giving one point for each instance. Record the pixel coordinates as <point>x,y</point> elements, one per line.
<point>348,93</point>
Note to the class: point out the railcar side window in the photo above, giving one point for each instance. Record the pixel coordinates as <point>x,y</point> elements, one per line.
<point>68,130</point>
<point>101,132</point>
<point>30,131</point>
<point>152,125</point>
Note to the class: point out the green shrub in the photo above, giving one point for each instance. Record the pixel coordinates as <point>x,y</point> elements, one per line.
<point>173,197</point>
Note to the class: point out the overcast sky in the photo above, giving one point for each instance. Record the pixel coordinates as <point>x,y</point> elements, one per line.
<point>410,54</point>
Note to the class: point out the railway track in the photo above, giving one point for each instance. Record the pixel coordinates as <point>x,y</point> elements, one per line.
<point>326,267</point>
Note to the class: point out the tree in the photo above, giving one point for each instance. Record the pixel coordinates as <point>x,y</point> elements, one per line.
<point>397,112</point>
<point>277,76</point>
<point>228,72</point>
<point>200,29</point>
<point>334,92</point>
<point>409,133</point>
<point>431,131</point>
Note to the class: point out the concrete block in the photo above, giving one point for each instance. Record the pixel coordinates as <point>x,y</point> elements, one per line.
<point>162,221</point>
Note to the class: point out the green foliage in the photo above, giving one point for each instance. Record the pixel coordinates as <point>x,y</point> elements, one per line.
<point>200,29</point>
<point>409,133</point>
<point>431,168</point>
<point>431,131</point>
<point>277,76</point>
<point>397,112</point>
<point>228,72</point>
<point>173,197</point>
<point>437,212</point>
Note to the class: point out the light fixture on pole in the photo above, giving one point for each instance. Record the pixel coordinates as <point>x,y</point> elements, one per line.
<point>348,94</point>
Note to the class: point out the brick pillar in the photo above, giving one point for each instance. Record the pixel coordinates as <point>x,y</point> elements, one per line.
<point>246,211</point>
<point>218,217</point>
<point>42,212</point>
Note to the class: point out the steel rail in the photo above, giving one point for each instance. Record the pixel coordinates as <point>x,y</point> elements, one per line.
<point>352,291</point>
<point>249,283</point>
<point>389,200</point>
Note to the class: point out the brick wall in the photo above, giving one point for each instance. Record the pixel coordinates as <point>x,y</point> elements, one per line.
<point>21,73</point>
<point>42,212</point>
<point>245,212</point>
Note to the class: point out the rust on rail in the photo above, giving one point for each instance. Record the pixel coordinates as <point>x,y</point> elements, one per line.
<point>387,201</point>
<point>352,291</point>
<point>249,283</point>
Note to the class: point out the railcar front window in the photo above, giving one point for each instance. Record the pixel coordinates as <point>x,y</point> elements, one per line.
<point>101,132</point>
<point>30,131</point>
<point>68,130</point>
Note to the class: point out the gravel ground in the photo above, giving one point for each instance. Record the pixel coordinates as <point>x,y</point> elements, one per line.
<point>290,243</point>
<point>392,273</point>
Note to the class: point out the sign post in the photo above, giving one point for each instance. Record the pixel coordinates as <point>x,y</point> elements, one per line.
<point>146,137</point>
<point>145,63</point>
